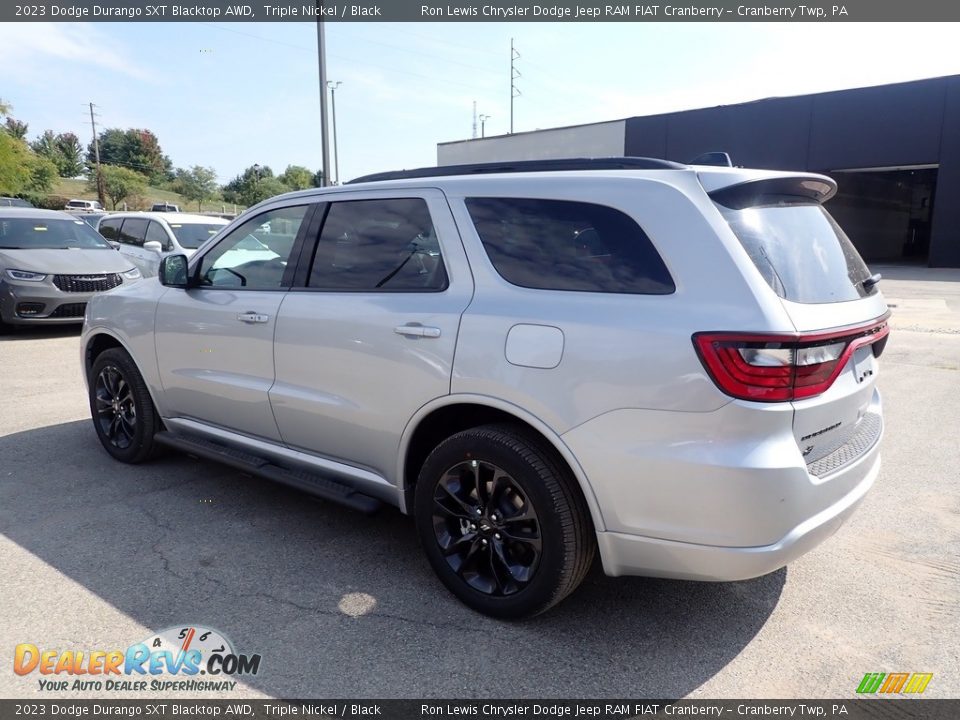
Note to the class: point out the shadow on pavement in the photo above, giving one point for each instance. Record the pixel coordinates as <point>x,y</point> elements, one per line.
<point>339,604</point>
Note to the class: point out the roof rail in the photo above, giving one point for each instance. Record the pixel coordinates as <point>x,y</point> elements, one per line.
<point>521,166</point>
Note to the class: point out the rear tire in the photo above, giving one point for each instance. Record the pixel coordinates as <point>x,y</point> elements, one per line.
<point>121,407</point>
<point>502,522</point>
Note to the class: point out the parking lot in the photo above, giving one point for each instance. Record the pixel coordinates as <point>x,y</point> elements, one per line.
<point>98,555</point>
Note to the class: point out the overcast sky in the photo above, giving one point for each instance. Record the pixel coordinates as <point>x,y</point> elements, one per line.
<point>231,95</point>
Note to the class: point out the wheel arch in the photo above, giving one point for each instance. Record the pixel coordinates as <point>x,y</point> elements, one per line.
<point>99,339</point>
<point>453,413</point>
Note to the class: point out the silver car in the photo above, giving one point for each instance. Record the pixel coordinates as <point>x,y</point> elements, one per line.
<point>51,264</point>
<point>671,366</point>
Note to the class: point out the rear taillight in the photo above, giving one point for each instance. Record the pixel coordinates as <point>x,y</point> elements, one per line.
<point>776,367</point>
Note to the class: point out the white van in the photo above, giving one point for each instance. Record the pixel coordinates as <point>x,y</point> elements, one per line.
<point>147,236</point>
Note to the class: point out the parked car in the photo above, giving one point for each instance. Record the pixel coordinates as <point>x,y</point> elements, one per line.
<point>672,366</point>
<point>146,237</point>
<point>165,207</point>
<point>83,205</point>
<point>51,264</point>
<point>14,202</point>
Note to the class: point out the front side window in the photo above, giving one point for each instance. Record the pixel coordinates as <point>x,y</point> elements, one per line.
<point>567,245</point>
<point>133,231</point>
<point>254,256</point>
<point>378,246</point>
<point>155,233</point>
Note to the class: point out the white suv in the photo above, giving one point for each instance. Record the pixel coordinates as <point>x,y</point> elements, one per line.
<point>673,366</point>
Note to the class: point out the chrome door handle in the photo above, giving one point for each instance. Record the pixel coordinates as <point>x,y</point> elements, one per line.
<point>252,317</point>
<point>417,331</point>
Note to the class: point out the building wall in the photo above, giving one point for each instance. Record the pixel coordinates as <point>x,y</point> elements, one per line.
<point>905,124</point>
<point>597,140</point>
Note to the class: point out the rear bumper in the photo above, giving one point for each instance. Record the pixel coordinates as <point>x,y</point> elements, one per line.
<point>624,554</point>
<point>725,495</point>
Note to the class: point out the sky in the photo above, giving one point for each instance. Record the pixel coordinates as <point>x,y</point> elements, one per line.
<point>229,95</point>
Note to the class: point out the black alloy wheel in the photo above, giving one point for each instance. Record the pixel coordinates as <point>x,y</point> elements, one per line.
<point>502,521</point>
<point>486,527</point>
<point>121,407</point>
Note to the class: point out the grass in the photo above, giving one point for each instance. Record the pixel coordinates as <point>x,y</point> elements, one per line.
<point>77,189</point>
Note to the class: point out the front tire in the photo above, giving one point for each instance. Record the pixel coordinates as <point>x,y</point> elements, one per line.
<point>121,407</point>
<point>502,521</point>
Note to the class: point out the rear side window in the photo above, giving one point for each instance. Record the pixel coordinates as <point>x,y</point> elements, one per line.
<point>799,250</point>
<point>566,245</point>
<point>132,231</point>
<point>379,246</point>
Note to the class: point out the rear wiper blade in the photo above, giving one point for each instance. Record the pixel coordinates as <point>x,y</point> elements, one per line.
<point>871,281</point>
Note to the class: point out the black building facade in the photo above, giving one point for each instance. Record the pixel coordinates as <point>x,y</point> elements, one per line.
<point>894,151</point>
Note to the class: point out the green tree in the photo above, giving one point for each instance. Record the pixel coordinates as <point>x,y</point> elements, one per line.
<point>119,183</point>
<point>22,170</point>
<point>256,183</point>
<point>317,180</point>
<point>136,149</point>
<point>16,128</point>
<point>5,108</point>
<point>71,155</point>
<point>296,177</point>
<point>198,183</point>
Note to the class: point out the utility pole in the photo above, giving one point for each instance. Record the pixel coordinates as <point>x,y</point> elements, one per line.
<point>336,151</point>
<point>474,135</point>
<point>483,124</point>
<point>101,196</point>
<point>322,65</point>
<point>514,74</point>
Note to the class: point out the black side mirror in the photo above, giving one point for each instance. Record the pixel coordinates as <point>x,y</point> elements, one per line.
<point>173,271</point>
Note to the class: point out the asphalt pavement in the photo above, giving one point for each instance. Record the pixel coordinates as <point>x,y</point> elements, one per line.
<point>97,555</point>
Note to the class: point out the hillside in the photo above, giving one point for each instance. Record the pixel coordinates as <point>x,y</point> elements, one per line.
<point>73,188</point>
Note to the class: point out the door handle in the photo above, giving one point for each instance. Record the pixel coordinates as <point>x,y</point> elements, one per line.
<point>417,331</point>
<point>252,317</point>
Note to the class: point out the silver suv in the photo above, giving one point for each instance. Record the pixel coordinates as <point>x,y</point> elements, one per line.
<point>672,366</point>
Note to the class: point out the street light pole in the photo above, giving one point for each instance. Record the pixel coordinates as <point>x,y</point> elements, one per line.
<point>483,124</point>
<point>333,107</point>
<point>322,65</point>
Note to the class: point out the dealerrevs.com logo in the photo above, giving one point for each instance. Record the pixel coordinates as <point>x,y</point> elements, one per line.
<point>187,658</point>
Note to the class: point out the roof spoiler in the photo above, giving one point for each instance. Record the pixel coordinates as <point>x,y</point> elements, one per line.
<point>765,191</point>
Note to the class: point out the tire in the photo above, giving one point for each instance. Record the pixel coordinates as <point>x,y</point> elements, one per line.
<point>481,537</point>
<point>121,408</point>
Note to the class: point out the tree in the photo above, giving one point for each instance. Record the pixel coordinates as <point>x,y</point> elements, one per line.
<point>317,179</point>
<point>198,183</point>
<point>119,183</point>
<point>136,149</point>
<point>296,177</point>
<point>71,155</point>
<point>22,170</point>
<point>256,183</point>
<point>5,108</point>
<point>16,128</point>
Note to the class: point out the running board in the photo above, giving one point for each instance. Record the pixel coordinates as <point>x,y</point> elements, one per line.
<point>308,482</point>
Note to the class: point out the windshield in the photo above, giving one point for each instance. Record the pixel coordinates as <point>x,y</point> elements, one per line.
<point>193,235</point>
<point>27,233</point>
<point>800,250</point>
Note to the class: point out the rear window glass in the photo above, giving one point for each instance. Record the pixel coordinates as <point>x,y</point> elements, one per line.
<point>566,245</point>
<point>800,250</point>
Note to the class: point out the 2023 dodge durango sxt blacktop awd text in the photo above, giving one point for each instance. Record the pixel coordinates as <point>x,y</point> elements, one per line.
<point>672,366</point>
